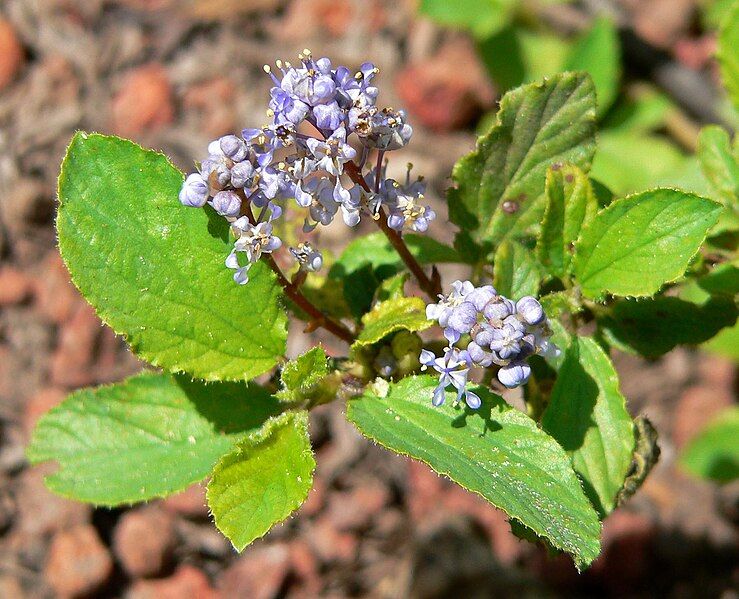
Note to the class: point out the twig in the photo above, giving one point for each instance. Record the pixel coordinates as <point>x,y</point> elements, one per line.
<point>319,319</point>
<point>430,287</point>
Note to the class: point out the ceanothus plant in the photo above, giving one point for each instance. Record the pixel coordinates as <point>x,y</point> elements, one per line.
<point>196,276</point>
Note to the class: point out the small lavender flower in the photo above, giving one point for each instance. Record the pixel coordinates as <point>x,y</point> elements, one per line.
<point>506,341</point>
<point>443,310</point>
<point>384,129</point>
<point>308,258</point>
<point>332,153</point>
<point>461,320</point>
<point>194,191</point>
<point>453,369</point>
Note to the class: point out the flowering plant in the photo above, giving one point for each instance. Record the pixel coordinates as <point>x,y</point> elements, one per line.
<point>200,288</point>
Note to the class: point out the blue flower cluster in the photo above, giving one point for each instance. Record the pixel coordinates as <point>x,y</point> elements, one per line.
<point>501,333</point>
<point>301,154</point>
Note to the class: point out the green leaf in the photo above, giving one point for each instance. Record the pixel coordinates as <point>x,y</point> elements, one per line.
<point>370,259</point>
<point>714,453</point>
<point>599,54</point>
<point>405,313</point>
<point>153,269</point>
<point>719,165</point>
<point>496,452</point>
<point>655,326</point>
<point>515,271</point>
<point>263,480</point>
<point>481,17</point>
<point>587,416</point>
<point>639,243</point>
<point>301,376</point>
<point>628,161</point>
<point>728,42</point>
<point>500,185</point>
<point>570,205</point>
<point>722,280</point>
<point>150,436</point>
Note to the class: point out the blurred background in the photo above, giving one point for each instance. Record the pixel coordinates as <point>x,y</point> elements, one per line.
<point>174,74</point>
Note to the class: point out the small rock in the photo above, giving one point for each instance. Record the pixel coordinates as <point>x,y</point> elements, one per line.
<point>316,499</point>
<point>15,286</point>
<point>78,562</point>
<point>355,509</point>
<point>439,93</point>
<point>11,53</point>
<point>258,574</point>
<point>144,540</point>
<point>24,204</point>
<point>42,512</point>
<point>306,568</point>
<point>75,352</point>
<point>329,544</point>
<point>144,101</point>
<point>186,583</point>
<point>39,404</point>
<point>190,503</point>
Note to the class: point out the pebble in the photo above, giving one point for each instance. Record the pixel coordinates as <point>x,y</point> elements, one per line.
<point>144,101</point>
<point>15,286</point>
<point>78,562</point>
<point>11,53</point>
<point>190,503</point>
<point>75,351</point>
<point>259,573</point>
<point>186,583</point>
<point>144,540</point>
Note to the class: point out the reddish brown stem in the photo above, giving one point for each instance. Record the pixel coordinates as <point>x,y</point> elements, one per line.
<point>318,318</point>
<point>432,288</point>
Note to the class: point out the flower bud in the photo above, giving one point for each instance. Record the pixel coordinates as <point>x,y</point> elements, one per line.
<point>242,174</point>
<point>530,310</point>
<point>227,203</point>
<point>463,318</point>
<point>233,148</point>
<point>194,191</point>
<point>481,296</point>
<point>515,374</point>
<point>498,308</point>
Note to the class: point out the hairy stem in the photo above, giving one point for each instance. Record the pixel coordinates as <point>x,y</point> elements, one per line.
<point>431,288</point>
<point>319,319</point>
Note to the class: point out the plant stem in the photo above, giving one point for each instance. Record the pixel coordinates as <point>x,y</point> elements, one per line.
<point>431,288</point>
<point>319,319</point>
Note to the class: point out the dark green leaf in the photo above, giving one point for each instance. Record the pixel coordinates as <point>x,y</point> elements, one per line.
<point>154,269</point>
<point>655,326</point>
<point>147,437</point>
<point>500,185</point>
<point>515,271</point>
<point>405,313</point>
<point>714,453</point>
<point>639,243</point>
<point>496,451</point>
<point>587,416</point>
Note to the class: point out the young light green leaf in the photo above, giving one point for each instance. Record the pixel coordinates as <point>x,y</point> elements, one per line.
<point>719,165</point>
<point>147,437</point>
<point>515,270</point>
<point>570,205</point>
<point>496,452</point>
<point>153,269</point>
<point>481,17</point>
<point>500,185</point>
<point>639,243</point>
<point>263,480</point>
<point>587,416</point>
<point>728,42</point>
<point>714,453</point>
<point>408,313</point>
<point>301,375</point>
<point>598,53</point>
<point>655,326</point>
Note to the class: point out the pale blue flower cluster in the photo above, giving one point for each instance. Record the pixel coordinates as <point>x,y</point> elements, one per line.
<point>301,154</point>
<point>499,332</point>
